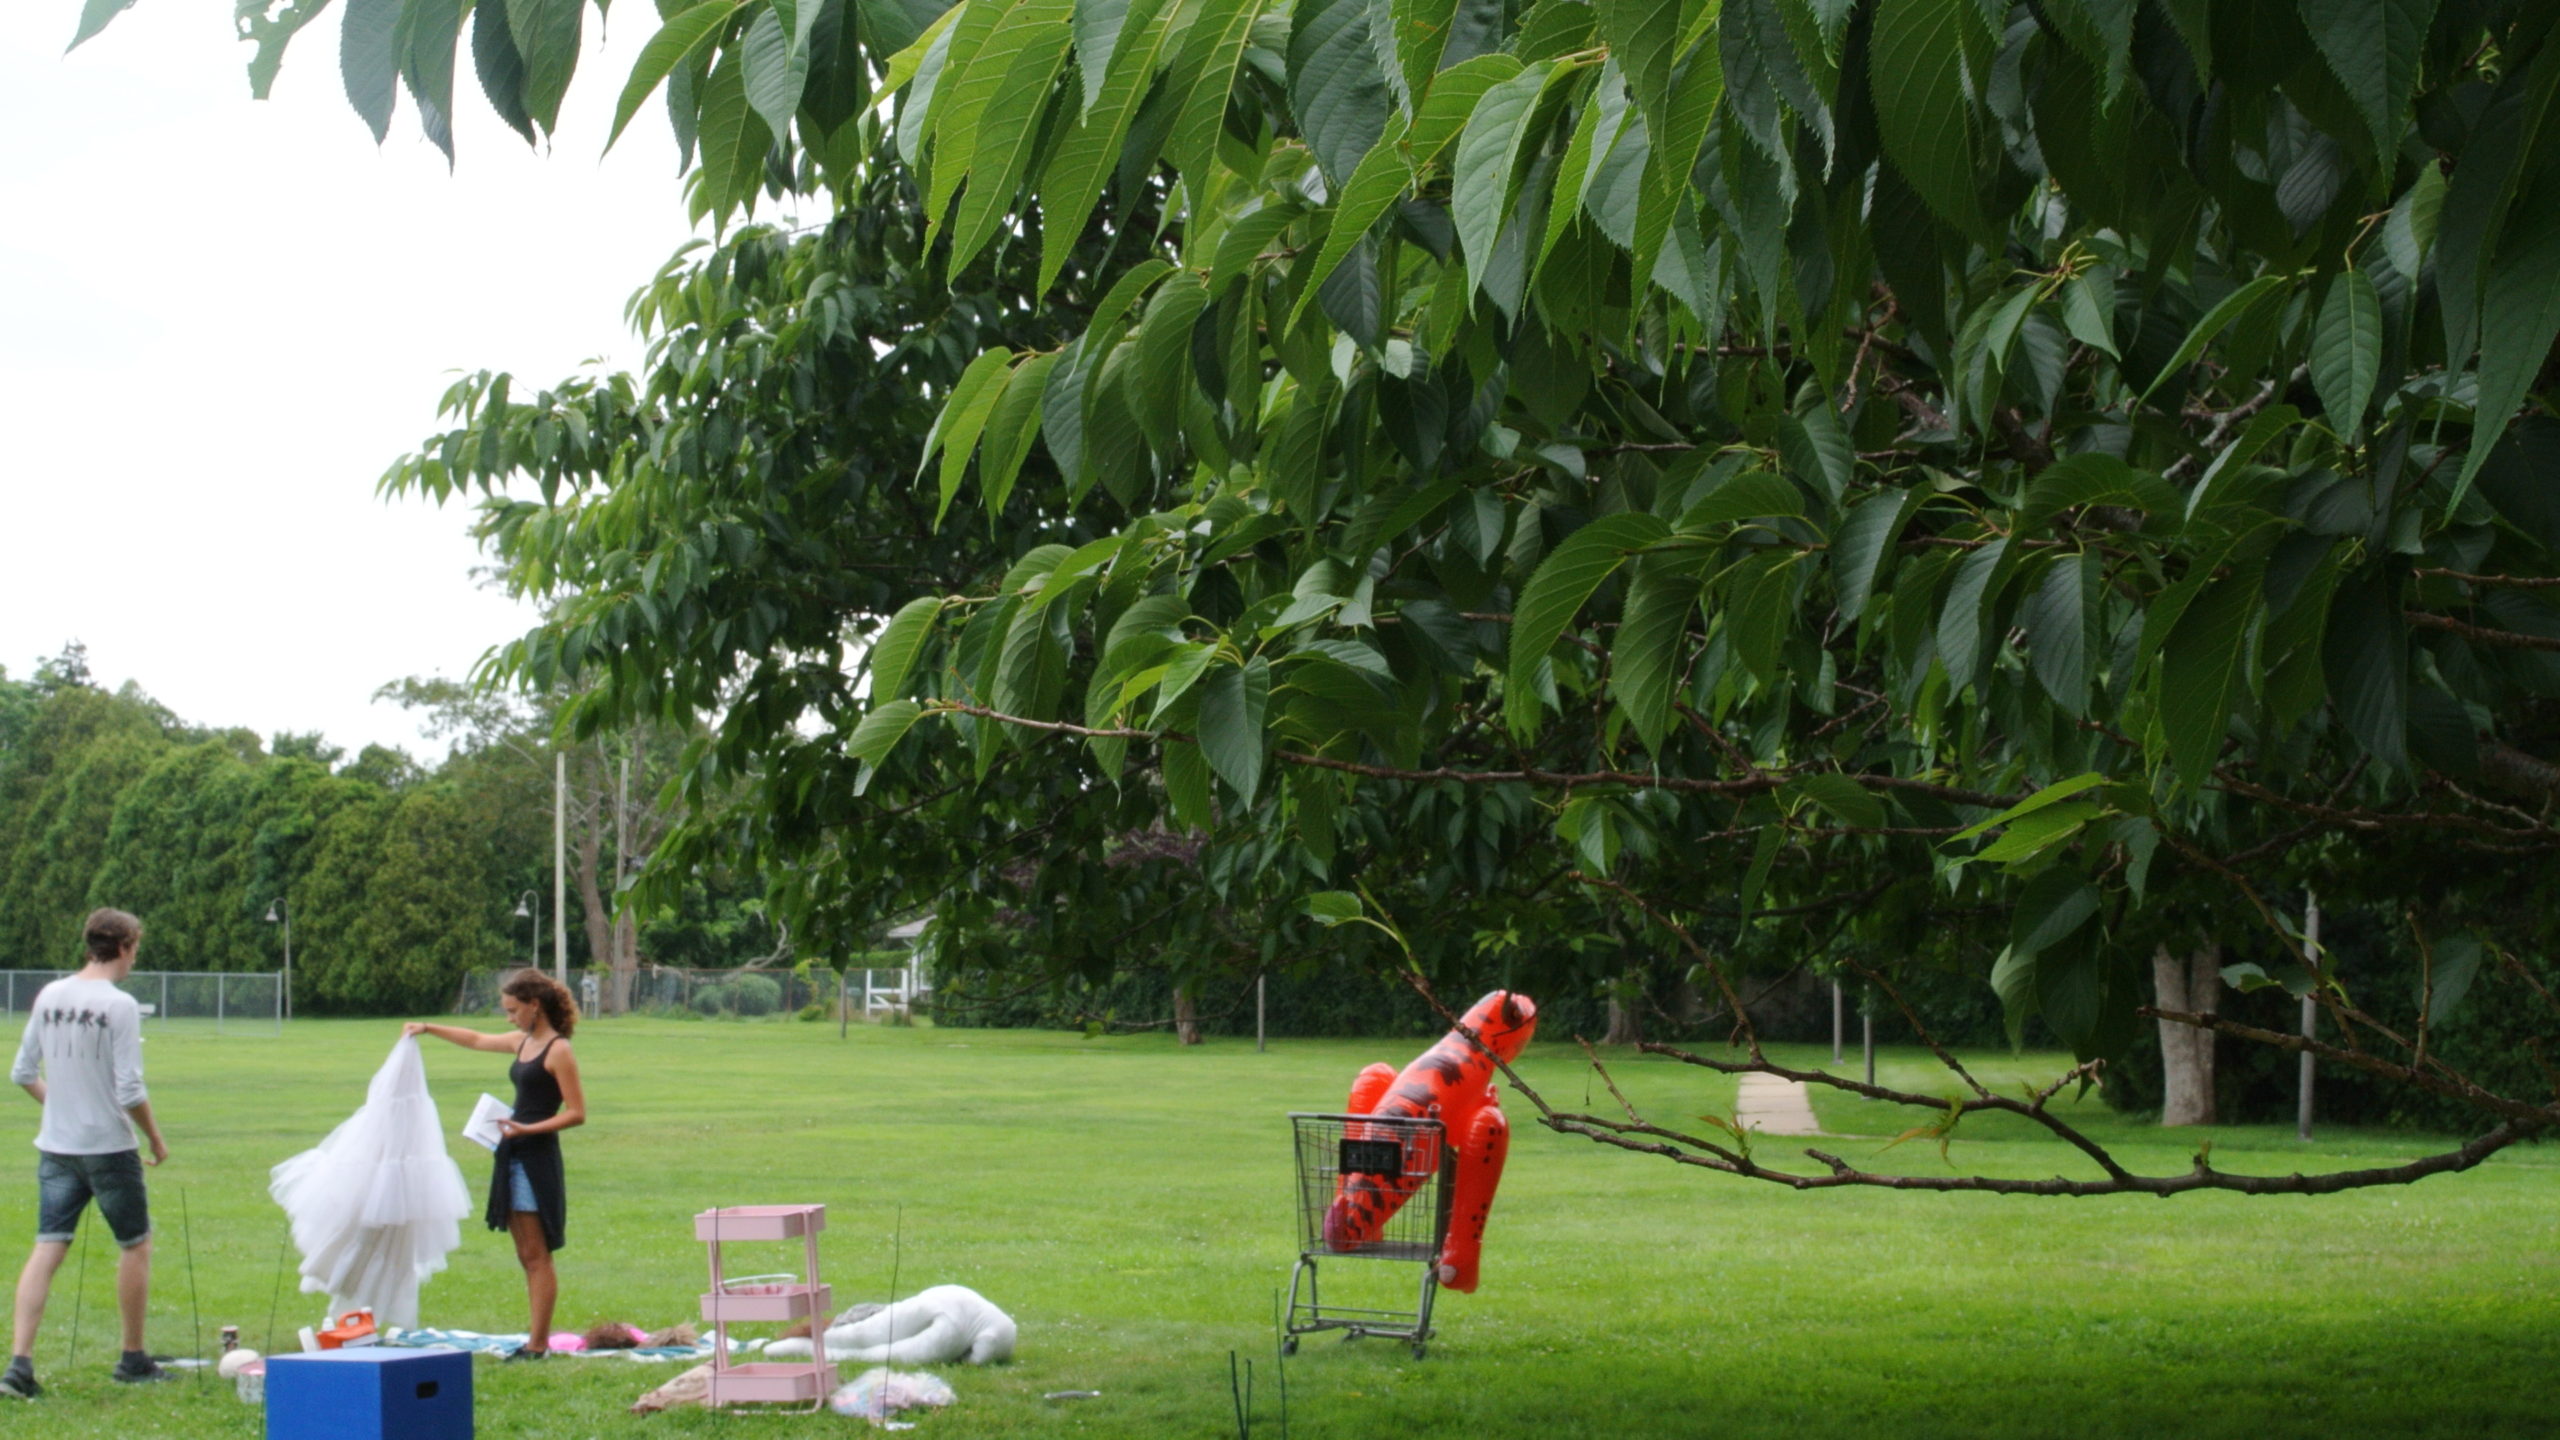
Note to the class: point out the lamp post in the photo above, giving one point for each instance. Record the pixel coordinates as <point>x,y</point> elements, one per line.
<point>529,906</point>
<point>280,914</point>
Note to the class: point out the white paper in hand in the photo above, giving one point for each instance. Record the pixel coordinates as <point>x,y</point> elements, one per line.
<point>482,1127</point>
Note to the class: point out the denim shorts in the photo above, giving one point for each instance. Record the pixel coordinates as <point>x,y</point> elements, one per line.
<point>65,1184</point>
<point>520,1187</point>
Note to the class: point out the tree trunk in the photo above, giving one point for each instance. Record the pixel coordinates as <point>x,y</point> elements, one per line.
<point>1186,1016</point>
<point>1626,1024</point>
<point>2186,1053</point>
<point>588,854</point>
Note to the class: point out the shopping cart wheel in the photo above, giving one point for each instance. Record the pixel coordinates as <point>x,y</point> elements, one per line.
<point>1289,1346</point>
<point>1417,1349</point>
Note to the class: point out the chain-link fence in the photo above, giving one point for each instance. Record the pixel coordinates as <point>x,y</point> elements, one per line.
<point>227,1004</point>
<point>868,994</point>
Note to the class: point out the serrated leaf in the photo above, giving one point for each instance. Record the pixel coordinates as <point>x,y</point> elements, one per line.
<point>2053,794</point>
<point>1859,546</point>
<point>1332,907</point>
<point>964,414</point>
<point>2088,311</point>
<point>1455,93</point>
<point>1480,187</point>
<point>1204,75</point>
<point>678,38</point>
<point>2346,351</point>
<point>882,729</point>
<point>1233,700</point>
<point>2054,905</point>
<point>1838,796</point>
<point>500,68</point>
<point>1643,36</point>
<point>2232,306</point>
<point>1559,589</point>
<point>893,652</point>
<point>1375,183</point>
<point>774,75</point>
<point>1010,427</point>
<point>368,60</point>
<point>2520,316</point>
<point>1749,495</point>
<point>1336,88</point>
<point>2373,47</point>
<point>1924,109</point>
<point>546,34</point>
<point>2056,619</point>
<point>1644,660</point>
<point>431,31</point>
<point>2200,670</point>
<point>733,137</point>
<point>1186,786</point>
<point>2366,656</point>
<point>1007,127</point>
<point>1962,621</point>
<point>2091,478</point>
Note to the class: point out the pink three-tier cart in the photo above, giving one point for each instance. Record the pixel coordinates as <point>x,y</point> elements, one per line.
<point>766,1300</point>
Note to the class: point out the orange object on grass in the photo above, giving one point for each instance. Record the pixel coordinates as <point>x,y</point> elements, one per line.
<point>1453,1082</point>
<point>353,1329</point>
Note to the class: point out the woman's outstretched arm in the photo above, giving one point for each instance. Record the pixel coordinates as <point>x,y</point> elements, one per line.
<point>467,1039</point>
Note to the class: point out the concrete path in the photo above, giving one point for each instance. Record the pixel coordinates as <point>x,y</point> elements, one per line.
<point>1775,1107</point>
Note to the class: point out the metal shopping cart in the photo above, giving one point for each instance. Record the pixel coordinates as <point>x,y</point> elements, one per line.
<point>1366,1161</point>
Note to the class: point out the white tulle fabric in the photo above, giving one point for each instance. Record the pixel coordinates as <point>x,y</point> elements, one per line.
<point>378,1205</point>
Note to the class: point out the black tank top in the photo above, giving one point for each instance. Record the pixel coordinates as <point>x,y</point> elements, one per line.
<point>537,1089</point>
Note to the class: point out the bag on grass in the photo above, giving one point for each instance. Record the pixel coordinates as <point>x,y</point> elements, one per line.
<point>378,1205</point>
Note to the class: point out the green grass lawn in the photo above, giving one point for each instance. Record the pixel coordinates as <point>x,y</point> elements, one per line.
<point>1129,1203</point>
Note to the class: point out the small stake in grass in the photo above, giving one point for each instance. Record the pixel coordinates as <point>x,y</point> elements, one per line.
<point>195,1310</point>
<point>276,1294</point>
<point>79,1299</point>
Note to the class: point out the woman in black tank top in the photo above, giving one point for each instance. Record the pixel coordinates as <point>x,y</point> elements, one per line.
<point>528,1189</point>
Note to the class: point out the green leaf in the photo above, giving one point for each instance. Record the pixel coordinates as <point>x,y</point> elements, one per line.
<point>1749,495</point>
<point>2025,839</point>
<point>2366,656</point>
<point>880,732</point>
<point>546,34</point>
<point>678,38</point>
<point>1924,112</point>
<point>1961,623</point>
<point>1375,183</point>
<point>2056,618</point>
<point>982,93</point>
<point>1643,36</point>
<point>1008,126</point>
<point>1186,786</point>
<point>1332,907</point>
<point>1203,76</point>
<point>94,15</point>
<point>2092,479</point>
<point>1455,93</point>
<point>500,68</point>
<point>1764,855</point>
<point>2520,315</point>
<point>2071,995</point>
<point>2346,351</point>
<point>2200,670</point>
<point>955,430</point>
<point>368,59</point>
<point>2234,305</point>
<point>2456,963</point>
<point>2055,793</point>
<point>774,74</point>
<point>1480,190</point>
<point>1559,590</point>
<point>2013,979</point>
<point>1860,545</point>
<point>1644,660</point>
<point>1840,797</point>
<point>893,652</point>
<point>1817,448</point>
<point>1233,700</point>
<point>1009,431</point>
<point>1336,88</point>
<point>1760,612</point>
<point>2373,47</point>
<point>2054,905</point>
<point>2088,311</point>
<point>734,137</point>
<point>431,31</point>
<point>1099,26</point>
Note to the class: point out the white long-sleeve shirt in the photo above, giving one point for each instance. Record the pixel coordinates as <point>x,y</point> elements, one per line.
<point>84,1037</point>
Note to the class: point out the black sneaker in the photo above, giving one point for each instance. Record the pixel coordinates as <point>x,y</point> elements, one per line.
<point>22,1386</point>
<point>147,1373</point>
<point>526,1352</point>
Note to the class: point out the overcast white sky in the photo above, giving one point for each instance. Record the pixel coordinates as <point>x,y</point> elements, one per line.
<point>221,319</point>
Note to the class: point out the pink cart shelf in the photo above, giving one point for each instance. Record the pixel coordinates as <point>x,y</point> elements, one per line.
<point>802,1296</point>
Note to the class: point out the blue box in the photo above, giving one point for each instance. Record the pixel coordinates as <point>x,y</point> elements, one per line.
<point>370,1393</point>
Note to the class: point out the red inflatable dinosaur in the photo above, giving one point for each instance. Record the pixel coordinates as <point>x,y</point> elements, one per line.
<point>1452,1081</point>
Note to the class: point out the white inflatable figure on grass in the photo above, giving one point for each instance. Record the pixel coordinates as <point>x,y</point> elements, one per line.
<point>931,1327</point>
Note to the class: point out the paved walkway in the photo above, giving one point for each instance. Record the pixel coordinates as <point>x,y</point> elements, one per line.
<point>1775,1107</point>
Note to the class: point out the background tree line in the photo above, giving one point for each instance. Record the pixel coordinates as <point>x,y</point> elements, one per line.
<point>400,878</point>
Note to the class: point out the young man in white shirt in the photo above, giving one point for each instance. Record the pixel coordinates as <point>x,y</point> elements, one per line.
<point>81,1059</point>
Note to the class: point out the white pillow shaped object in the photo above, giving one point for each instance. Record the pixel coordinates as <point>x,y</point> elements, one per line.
<point>378,1205</point>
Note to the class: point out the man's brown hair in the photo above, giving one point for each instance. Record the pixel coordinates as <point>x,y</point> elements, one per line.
<point>106,932</point>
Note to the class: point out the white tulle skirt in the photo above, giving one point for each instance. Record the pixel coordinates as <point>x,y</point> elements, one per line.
<point>378,1205</point>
